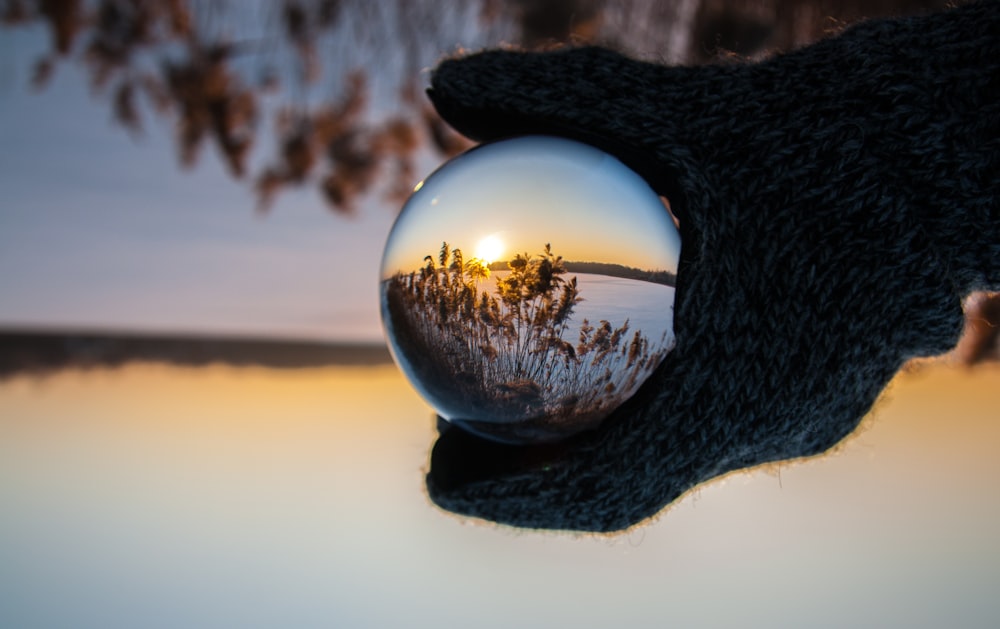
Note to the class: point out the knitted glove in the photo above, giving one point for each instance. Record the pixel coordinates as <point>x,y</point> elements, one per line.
<point>835,204</point>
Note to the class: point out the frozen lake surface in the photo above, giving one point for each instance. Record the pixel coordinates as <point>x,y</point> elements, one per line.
<point>647,306</point>
<point>155,496</point>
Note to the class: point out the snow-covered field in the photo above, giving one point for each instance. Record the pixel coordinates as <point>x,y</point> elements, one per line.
<point>647,306</point>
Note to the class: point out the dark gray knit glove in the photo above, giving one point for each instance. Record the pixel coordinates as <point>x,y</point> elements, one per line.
<point>836,204</point>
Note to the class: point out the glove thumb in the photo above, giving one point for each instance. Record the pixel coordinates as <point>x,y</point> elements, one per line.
<point>592,95</point>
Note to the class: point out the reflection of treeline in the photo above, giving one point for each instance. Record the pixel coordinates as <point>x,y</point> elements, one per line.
<point>613,270</point>
<point>36,352</point>
<point>506,352</point>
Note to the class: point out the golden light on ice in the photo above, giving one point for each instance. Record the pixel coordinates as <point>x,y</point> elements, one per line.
<point>489,249</point>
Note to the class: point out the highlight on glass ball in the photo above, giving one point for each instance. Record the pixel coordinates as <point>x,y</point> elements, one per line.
<point>527,288</point>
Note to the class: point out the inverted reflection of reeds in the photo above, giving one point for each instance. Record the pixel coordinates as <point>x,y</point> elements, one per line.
<point>505,354</point>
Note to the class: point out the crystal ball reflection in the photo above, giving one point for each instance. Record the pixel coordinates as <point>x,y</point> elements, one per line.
<point>527,288</point>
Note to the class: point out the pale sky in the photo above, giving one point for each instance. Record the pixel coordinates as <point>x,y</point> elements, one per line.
<point>588,205</point>
<point>100,230</point>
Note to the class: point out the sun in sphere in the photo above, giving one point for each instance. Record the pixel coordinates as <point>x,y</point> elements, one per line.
<point>489,249</point>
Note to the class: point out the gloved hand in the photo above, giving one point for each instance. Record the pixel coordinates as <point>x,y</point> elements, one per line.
<point>835,204</point>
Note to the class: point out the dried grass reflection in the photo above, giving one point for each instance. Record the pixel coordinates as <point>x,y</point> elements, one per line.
<point>506,353</point>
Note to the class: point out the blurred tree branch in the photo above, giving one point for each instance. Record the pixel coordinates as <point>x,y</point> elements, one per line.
<point>209,67</point>
<point>214,69</point>
<point>181,58</point>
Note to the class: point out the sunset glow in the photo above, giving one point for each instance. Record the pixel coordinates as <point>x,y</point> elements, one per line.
<point>515,196</point>
<point>489,249</point>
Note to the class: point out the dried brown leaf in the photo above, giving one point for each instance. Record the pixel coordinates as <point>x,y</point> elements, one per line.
<point>327,13</point>
<point>299,154</point>
<point>15,12</point>
<point>296,22</point>
<point>126,112</point>
<point>445,139</point>
<point>42,72</point>
<point>268,184</point>
<point>155,91</point>
<point>66,20</point>
<point>179,13</point>
<point>397,136</point>
<point>341,193</point>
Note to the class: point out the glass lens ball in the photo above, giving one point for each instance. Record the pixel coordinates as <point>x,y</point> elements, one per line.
<point>527,288</point>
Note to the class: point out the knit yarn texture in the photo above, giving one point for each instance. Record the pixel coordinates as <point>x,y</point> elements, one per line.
<point>836,205</point>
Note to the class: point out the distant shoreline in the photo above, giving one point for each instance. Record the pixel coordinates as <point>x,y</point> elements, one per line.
<point>665,278</point>
<point>34,351</point>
